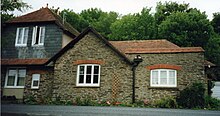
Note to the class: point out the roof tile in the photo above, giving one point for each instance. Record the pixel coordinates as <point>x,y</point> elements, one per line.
<point>23,61</point>
<point>44,15</point>
<point>152,46</point>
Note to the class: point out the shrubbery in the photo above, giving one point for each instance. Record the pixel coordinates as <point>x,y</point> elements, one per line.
<point>212,103</point>
<point>193,96</point>
<point>168,102</point>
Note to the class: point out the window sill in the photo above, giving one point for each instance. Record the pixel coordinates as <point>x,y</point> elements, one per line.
<point>83,86</point>
<point>20,45</point>
<point>35,88</point>
<point>173,88</point>
<point>14,87</point>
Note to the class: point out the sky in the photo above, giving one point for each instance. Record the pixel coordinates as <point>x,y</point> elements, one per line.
<point>122,7</point>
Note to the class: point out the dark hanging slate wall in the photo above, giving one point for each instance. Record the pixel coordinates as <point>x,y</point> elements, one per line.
<point>52,42</point>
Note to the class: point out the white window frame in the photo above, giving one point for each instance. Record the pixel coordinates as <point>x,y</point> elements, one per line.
<point>163,85</point>
<point>35,77</point>
<point>23,42</point>
<point>16,78</point>
<point>34,36</point>
<point>84,84</point>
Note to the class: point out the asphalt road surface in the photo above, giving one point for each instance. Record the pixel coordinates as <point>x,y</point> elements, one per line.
<point>51,110</point>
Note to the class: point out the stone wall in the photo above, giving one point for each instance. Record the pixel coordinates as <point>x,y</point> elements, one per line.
<point>45,87</point>
<point>192,70</point>
<point>115,76</point>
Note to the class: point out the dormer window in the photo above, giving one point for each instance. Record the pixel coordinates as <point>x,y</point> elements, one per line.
<point>21,36</point>
<point>38,36</point>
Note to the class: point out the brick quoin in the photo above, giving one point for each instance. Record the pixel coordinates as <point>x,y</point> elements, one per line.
<point>163,66</point>
<point>88,62</point>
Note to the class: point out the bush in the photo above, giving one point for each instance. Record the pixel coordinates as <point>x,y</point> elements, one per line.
<point>84,102</point>
<point>212,103</point>
<point>30,100</point>
<point>193,96</point>
<point>168,102</point>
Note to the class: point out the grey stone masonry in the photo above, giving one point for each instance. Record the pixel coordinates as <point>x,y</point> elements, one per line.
<point>192,70</point>
<point>115,77</point>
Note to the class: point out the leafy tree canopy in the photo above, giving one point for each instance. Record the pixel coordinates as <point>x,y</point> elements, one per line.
<point>165,9</point>
<point>216,22</point>
<point>134,27</point>
<point>186,28</point>
<point>7,6</point>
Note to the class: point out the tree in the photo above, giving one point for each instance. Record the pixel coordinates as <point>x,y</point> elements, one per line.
<point>94,17</point>
<point>186,28</point>
<point>213,50</point>
<point>163,10</point>
<point>124,28</point>
<point>100,20</point>
<point>134,27</point>
<point>216,22</point>
<point>74,19</point>
<point>8,6</point>
<point>166,9</point>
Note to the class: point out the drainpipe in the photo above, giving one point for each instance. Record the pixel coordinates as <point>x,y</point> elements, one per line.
<point>136,61</point>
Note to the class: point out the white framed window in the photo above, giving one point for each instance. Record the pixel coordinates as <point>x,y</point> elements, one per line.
<point>35,81</point>
<point>163,78</point>
<point>15,78</point>
<point>38,36</point>
<point>88,75</point>
<point>21,36</point>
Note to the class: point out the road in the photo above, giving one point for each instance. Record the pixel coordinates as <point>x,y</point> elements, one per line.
<point>51,110</point>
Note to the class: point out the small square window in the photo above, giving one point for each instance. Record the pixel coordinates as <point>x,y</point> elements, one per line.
<point>35,81</point>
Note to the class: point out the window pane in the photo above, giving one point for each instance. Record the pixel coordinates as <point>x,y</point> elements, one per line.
<point>20,81</point>
<point>25,35</point>
<point>89,70</point>
<point>171,81</point>
<point>19,35</point>
<point>171,77</point>
<point>163,77</point>
<point>95,79</point>
<point>96,69</point>
<point>171,74</point>
<point>35,83</point>
<point>81,78</point>
<point>11,81</point>
<point>81,68</point>
<point>155,77</point>
<point>12,72</point>
<point>42,35</point>
<point>11,77</point>
<point>88,78</point>
<point>21,73</point>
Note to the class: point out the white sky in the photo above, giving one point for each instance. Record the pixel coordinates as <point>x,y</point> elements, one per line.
<point>120,6</point>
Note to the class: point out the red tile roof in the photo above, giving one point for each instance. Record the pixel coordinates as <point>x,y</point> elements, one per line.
<point>152,46</point>
<point>44,15</point>
<point>23,61</point>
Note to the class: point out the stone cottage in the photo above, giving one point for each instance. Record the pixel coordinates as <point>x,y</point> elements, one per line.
<point>91,66</point>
